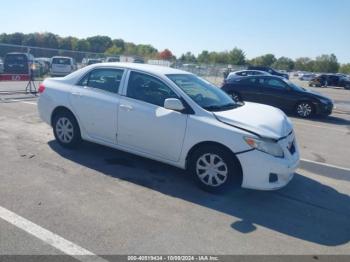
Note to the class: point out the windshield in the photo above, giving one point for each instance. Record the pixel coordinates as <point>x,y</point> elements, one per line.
<point>203,93</point>
<point>293,86</point>
<point>21,59</point>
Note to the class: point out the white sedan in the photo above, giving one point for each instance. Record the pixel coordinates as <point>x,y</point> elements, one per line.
<point>174,117</point>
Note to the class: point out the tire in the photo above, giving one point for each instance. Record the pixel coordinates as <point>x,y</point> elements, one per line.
<point>236,97</point>
<point>347,86</point>
<point>66,130</point>
<point>304,109</point>
<point>202,168</point>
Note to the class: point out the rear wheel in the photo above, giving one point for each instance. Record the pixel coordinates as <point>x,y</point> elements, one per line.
<point>304,109</point>
<point>214,169</point>
<point>66,130</point>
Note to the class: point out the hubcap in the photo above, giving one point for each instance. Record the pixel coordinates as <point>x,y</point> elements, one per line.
<point>64,130</point>
<point>211,170</point>
<point>304,109</point>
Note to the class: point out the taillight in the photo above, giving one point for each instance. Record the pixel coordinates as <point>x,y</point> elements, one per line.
<point>41,88</point>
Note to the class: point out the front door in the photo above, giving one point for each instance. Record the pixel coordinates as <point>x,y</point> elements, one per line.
<point>144,125</point>
<point>275,92</point>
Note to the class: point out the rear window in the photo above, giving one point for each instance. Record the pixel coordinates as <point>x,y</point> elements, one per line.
<point>61,61</point>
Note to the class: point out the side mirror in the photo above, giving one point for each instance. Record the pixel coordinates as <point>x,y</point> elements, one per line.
<point>174,104</point>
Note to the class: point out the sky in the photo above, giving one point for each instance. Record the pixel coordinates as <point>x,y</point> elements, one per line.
<point>292,28</point>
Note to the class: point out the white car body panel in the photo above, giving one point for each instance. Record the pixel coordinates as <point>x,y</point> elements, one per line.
<point>164,135</point>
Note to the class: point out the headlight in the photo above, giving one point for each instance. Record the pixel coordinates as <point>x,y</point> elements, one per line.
<point>268,146</point>
<point>324,101</point>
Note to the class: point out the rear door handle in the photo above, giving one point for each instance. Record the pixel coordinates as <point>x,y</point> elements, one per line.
<point>76,94</point>
<point>126,107</point>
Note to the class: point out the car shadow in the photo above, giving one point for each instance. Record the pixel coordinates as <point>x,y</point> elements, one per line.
<point>306,209</point>
<point>335,120</point>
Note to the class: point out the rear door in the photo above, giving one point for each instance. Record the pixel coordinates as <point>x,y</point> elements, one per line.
<point>248,89</point>
<point>95,101</point>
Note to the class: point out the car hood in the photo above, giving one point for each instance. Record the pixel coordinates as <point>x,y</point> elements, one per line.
<point>317,94</point>
<point>264,120</point>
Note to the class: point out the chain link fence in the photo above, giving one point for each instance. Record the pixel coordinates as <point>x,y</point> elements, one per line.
<point>42,57</point>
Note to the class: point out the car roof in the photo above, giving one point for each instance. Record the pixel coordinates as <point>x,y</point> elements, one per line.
<point>239,78</point>
<point>156,70</point>
<point>153,69</point>
<point>62,57</point>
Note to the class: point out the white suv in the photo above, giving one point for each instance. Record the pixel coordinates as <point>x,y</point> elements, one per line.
<point>62,66</point>
<point>174,117</point>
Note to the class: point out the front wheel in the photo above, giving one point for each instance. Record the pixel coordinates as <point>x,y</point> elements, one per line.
<point>304,109</point>
<point>214,169</point>
<point>236,97</point>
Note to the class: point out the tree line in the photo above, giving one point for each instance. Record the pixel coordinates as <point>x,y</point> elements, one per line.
<point>111,47</point>
<point>323,63</point>
<point>95,44</point>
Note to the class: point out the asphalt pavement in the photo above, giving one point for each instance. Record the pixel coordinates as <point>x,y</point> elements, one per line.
<point>97,200</point>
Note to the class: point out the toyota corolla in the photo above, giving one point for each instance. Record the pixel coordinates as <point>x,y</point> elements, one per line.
<point>174,117</point>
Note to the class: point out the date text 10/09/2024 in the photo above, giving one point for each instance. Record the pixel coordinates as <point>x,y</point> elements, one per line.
<point>173,258</point>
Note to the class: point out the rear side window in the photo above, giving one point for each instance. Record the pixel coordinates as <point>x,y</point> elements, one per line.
<point>148,89</point>
<point>103,79</point>
<point>251,81</point>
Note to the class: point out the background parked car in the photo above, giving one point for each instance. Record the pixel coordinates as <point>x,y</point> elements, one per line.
<point>91,61</point>
<point>306,76</point>
<point>112,59</point>
<point>269,70</point>
<point>246,73</point>
<point>18,63</point>
<point>330,80</point>
<point>45,62</point>
<point>62,66</point>
<point>279,92</point>
<point>38,69</point>
<point>1,66</point>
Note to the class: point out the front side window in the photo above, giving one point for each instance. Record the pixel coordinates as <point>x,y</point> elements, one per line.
<point>148,89</point>
<point>103,79</point>
<point>275,83</point>
<point>203,93</point>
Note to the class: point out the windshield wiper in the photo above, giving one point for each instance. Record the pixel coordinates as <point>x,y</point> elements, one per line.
<point>221,107</point>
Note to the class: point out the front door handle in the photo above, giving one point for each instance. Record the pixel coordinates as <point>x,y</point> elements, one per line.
<point>126,107</point>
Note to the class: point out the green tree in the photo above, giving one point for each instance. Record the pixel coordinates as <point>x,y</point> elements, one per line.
<point>345,69</point>
<point>82,45</point>
<point>303,64</point>
<point>283,63</point>
<point>326,64</point>
<point>264,60</point>
<point>203,57</point>
<point>113,50</point>
<point>99,44</point>
<point>236,57</point>
<point>188,58</point>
